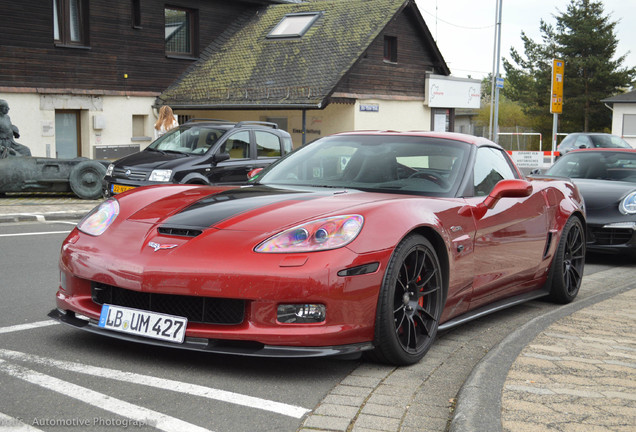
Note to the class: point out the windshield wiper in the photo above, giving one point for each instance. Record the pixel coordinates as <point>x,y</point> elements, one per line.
<point>175,152</point>
<point>155,150</point>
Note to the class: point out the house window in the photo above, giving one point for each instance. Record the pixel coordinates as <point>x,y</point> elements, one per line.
<point>136,13</point>
<point>629,125</point>
<point>70,22</point>
<point>390,49</point>
<point>179,31</point>
<point>139,127</point>
<point>294,25</point>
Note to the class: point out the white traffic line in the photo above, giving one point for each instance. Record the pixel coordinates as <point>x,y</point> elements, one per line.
<point>34,234</point>
<point>99,400</point>
<point>15,425</point>
<point>29,326</point>
<point>164,384</point>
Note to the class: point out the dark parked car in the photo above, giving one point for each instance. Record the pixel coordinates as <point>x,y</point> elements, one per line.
<point>200,152</point>
<point>591,140</point>
<point>607,180</point>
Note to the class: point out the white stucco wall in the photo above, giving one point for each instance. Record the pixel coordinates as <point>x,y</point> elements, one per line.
<point>391,115</point>
<point>118,112</point>
<point>617,120</point>
<point>34,115</point>
<point>24,110</point>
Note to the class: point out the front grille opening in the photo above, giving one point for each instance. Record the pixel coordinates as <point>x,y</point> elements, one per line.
<point>179,232</point>
<point>610,236</point>
<point>205,310</point>
<point>134,175</point>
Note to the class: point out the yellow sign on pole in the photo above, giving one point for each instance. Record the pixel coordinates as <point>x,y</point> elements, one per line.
<point>558,69</point>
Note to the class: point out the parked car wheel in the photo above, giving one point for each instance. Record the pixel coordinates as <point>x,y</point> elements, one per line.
<point>85,179</point>
<point>566,272</point>
<point>410,303</point>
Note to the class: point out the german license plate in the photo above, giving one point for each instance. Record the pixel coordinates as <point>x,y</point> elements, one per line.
<point>143,323</point>
<point>116,189</point>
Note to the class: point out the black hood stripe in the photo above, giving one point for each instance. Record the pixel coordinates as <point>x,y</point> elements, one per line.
<point>213,209</point>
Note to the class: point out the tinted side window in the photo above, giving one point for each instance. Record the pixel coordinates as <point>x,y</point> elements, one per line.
<point>267,144</point>
<point>491,166</point>
<point>237,145</point>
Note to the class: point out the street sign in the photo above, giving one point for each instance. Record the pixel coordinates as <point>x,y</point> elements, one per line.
<point>558,69</point>
<point>499,83</point>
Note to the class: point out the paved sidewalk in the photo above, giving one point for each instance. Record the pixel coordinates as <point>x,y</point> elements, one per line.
<point>16,207</point>
<point>572,368</point>
<point>577,372</point>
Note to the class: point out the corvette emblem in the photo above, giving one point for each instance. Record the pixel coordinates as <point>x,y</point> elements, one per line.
<point>157,246</point>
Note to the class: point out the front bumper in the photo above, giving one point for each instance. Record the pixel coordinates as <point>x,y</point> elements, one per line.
<point>611,237</point>
<point>261,282</point>
<point>219,346</point>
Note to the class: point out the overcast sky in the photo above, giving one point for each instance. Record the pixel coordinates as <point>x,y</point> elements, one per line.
<point>465,29</point>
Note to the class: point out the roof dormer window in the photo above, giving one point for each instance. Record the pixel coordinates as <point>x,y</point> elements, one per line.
<point>294,25</point>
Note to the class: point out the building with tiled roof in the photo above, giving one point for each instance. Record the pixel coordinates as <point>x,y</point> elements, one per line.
<point>87,77</point>
<point>318,67</point>
<point>624,115</point>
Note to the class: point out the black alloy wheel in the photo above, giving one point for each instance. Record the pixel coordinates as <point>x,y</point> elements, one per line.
<point>566,272</point>
<point>410,303</point>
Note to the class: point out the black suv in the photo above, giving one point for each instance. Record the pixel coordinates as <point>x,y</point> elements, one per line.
<point>200,151</point>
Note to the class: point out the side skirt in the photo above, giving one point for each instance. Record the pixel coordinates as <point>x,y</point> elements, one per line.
<point>493,307</point>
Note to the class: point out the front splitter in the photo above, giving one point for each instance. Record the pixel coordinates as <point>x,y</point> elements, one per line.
<point>219,346</point>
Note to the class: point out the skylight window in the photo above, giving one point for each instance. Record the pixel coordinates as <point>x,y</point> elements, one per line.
<point>294,25</point>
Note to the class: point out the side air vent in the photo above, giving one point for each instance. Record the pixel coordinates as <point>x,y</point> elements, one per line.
<point>179,232</point>
<point>547,245</point>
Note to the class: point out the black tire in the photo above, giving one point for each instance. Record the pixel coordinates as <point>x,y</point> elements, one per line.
<point>410,303</point>
<point>86,178</point>
<point>566,271</point>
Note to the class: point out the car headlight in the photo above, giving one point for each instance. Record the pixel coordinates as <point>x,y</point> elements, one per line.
<point>160,175</point>
<point>109,170</point>
<point>628,204</point>
<point>100,218</point>
<point>322,234</point>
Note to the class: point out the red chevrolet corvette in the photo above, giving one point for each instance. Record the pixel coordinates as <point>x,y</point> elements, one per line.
<point>362,241</point>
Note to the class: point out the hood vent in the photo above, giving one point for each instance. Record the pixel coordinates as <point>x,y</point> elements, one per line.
<point>179,232</point>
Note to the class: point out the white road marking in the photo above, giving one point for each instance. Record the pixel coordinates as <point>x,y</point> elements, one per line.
<point>100,400</point>
<point>29,326</point>
<point>13,424</point>
<point>34,234</point>
<point>164,384</point>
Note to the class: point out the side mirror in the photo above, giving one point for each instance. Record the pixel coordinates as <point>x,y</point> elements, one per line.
<point>508,189</point>
<point>220,157</point>
<point>254,173</point>
<point>515,188</point>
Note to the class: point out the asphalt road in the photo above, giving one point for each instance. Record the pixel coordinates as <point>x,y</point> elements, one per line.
<point>57,378</point>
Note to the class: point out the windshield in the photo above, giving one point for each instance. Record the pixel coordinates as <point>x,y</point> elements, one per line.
<point>609,141</point>
<point>605,165</point>
<point>387,163</point>
<point>188,139</point>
